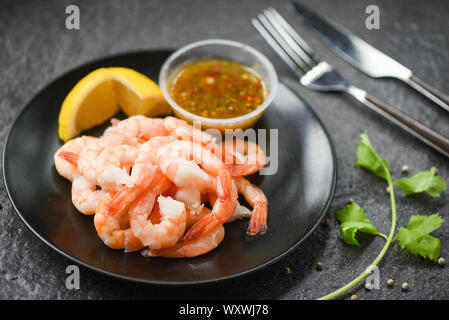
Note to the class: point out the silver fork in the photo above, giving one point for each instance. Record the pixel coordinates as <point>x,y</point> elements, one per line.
<point>321,76</point>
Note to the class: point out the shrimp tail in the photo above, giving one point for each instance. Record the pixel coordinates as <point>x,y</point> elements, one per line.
<point>224,185</point>
<point>258,221</point>
<point>204,225</point>
<point>240,169</point>
<point>237,170</point>
<point>126,195</point>
<point>119,202</point>
<point>70,157</point>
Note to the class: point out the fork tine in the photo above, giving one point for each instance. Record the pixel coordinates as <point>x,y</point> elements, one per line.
<point>287,38</point>
<point>275,46</point>
<point>292,33</point>
<point>283,44</point>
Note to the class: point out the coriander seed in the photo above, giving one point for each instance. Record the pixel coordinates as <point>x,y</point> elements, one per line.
<point>368,286</point>
<point>441,261</point>
<point>319,266</point>
<point>390,282</point>
<point>287,270</point>
<point>404,286</point>
<point>388,190</point>
<point>354,297</point>
<point>350,201</point>
<point>326,222</point>
<point>404,169</point>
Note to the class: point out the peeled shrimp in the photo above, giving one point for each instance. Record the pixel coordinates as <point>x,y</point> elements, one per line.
<point>144,174</point>
<point>256,198</point>
<point>240,211</point>
<point>148,151</point>
<point>191,197</point>
<point>250,157</point>
<point>184,131</point>
<point>138,127</point>
<point>168,231</point>
<point>114,231</point>
<point>66,156</point>
<point>174,160</point>
<point>193,217</point>
<point>155,177</point>
<point>95,158</point>
<point>179,161</point>
<point>192,248</point>
<point>85,196</point>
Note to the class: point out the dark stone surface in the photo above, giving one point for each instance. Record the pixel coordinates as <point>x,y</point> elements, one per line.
<point>36,48</point>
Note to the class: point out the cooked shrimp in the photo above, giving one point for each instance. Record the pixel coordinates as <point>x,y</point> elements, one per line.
<point>148,181</point>
<point>191,197</point>
<point>193,217</point>
<point>179,161</point>
<point>174,160</point>
<point>222,211</point>
<point>144,175</point>
<point>115,138</point>
<point>164,234</point>
<point>192,248</point>
<point>95,158</point>
<point>184,131</point>
<point>132,243</point>
<point>115,231</point>
<point>85,197</point>
<point>148,150</point>
<point>66,156</point>
<point>256,198</point>
<point>138,127</point>
<point>240,211</point>
<point>250,157</point>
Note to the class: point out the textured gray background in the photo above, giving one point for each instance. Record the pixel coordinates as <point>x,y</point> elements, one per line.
<point>35,48</point>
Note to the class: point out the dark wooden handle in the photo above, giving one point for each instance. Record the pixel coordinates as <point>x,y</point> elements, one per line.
<point>421,131</point>
<point>428,87</point>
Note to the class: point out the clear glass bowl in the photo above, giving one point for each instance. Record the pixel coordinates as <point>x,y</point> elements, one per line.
<point>221,49</point>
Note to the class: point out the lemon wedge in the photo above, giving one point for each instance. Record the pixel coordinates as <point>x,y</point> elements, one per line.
<point>102,93</point>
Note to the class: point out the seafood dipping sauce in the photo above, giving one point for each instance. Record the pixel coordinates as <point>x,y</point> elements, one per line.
<point>216,88</point>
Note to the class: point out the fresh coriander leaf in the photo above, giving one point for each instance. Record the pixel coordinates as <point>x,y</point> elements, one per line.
<point>424,181</point>
<point>368,158</point>
<point>415,237</point>
<point>352,219</point>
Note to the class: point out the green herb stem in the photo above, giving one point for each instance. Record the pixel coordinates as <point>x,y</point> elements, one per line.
<point>379,256</point>
<point>383,235</point>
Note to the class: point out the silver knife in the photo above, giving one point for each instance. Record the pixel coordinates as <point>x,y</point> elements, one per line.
<point>365,57</point>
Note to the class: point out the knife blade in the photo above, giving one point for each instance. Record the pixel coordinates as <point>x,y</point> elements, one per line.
<point>364,56</point>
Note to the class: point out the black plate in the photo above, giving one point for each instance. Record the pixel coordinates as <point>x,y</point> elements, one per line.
<point>299,193</point>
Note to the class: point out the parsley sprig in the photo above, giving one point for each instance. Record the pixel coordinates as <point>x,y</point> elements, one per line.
<point>353,219</point>
<point>416,237</point>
